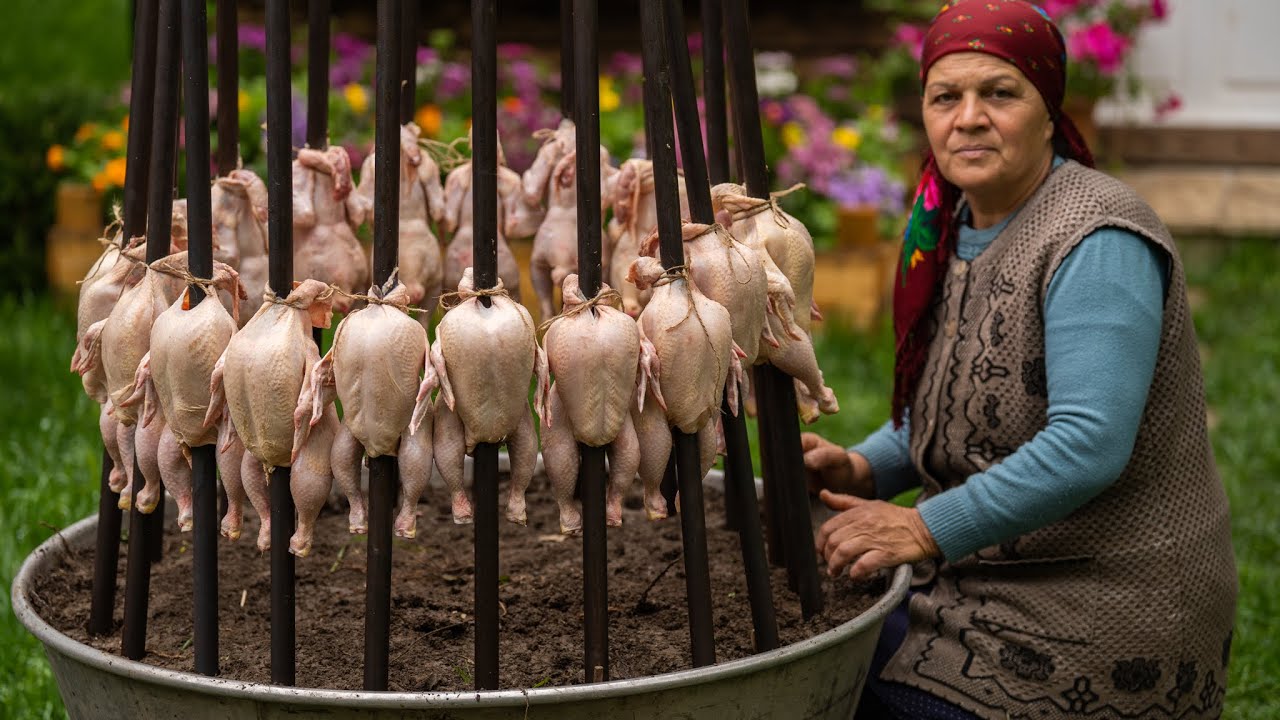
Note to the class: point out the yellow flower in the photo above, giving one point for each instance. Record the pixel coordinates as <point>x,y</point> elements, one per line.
<point>357,98</point>
<point>875,113</point>
<point>54,157</point>
<point>429,119</point>
<point>114,172</point>
<point>99,182</point>
<point>124,124</point>
<point>242,101</point>
<point>792,134</point>
<point>917,257</point>
<point>112,140</point>
<point>846,137</point>
<point>85,132</point>
<point>609,99</point>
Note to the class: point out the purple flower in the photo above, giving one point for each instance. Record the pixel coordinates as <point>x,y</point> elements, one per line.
<point>866,186</point>
<point>252,36</point>
<point>454,78</point>
<point>427,56</point>
<point>695,43</point>
<point>347,45</point>
<point>298,116</point>
<point>513,51</point>
<point>625,63</point>
<point>840,66</point>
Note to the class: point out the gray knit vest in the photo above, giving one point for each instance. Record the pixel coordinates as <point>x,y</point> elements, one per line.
<point>1124,608</point>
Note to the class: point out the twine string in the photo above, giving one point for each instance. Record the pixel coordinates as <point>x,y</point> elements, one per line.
<point>606,296</point>
<point>769,203</point>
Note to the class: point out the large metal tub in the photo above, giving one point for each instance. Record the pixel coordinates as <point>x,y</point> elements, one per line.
<point>821,677</point>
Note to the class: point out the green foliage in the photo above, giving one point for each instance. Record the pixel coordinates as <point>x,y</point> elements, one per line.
<point>60,63</point>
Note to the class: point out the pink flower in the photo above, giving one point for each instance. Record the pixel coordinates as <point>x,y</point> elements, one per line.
<point>1099,43</point>
<point>911,37</point>
<point>1158,9</point>
<point>932,194</point>
<point>1058,9</point>
<point>1169,105</point>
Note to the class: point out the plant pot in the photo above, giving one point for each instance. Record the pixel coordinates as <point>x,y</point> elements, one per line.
<point>821,677</point>
<point>73,245</point>
<point>858,227</point>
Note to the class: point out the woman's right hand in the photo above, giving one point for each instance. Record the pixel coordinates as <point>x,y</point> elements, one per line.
<point>831,467</point>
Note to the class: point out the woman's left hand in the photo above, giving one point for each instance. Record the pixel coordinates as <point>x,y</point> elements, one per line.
<point>871,534</point>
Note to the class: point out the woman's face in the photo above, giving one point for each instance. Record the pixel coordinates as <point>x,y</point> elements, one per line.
<point>987,124</point>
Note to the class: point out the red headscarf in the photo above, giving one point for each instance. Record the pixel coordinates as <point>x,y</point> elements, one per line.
<point>1019,33</point>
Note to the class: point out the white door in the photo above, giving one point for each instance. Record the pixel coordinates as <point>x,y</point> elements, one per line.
<point>1221,57</point>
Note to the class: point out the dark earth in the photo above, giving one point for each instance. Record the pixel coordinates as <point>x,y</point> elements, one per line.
<point>432,634</point>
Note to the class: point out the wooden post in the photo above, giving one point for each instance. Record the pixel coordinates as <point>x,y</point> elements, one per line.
<point>137,169</point>
<point>484,210</point>
<point>280,281</point>
<point>160,208</point>
<point>778,406</point>
<point>671,244</point>
<point>204,467</point>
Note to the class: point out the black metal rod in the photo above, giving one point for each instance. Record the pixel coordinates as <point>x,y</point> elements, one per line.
<point>280,280</point>
<point>566,58</point>
<point>204,497</point>
<point>484,143</point>
<point>595,564</point>
<point>383,483</point>
<point>591,472</point>
<point>318,73</point>
<point>485,492</point>
<point>204,469</point>
<point>137,587</point>
<point>408,59</point>
<point>685,95</point>
<point>228,65</point>
<point>658,126</point>
<point>786,457</point>
<point>693,534</point>
<point>745,513</point>
<point>383,470</point>
<point>713,92</point>
<point>107,554</point>
<point>141,102</point>
<point>283,580</point>
<point>746,99</point>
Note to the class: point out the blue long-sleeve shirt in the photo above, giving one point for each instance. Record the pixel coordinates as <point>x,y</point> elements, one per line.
<point>1102,319</point>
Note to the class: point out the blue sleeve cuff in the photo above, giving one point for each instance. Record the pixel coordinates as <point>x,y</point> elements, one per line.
<point>950,518</point>
<point>887,452</point>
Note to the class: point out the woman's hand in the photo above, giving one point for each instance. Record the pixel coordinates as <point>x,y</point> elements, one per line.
<point>831,467</point>
<point>871,535</point>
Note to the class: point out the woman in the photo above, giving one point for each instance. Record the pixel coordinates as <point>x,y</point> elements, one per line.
<point>1071,541</point>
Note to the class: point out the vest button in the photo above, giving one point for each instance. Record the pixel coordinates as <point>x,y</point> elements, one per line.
<point>959,267</point>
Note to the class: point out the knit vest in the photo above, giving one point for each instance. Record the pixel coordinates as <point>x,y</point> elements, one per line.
<point>1124,608</point>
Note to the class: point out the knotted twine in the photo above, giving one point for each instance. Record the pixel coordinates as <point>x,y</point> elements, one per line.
<point>606,296</point>
<point>769,203</point>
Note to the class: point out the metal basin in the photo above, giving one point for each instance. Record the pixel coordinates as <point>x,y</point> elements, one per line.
<point>821,677</point>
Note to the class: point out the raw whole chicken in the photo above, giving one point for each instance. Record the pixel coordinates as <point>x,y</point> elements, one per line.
<point>421,203</point>
<point>325,247</point>
<point>635,212</point>
<point>374,363</point>
<point>595,355</point>
<point>173,380</point>
<point>515,220</point>
<point>243,478</point>
<point>694,358</point>
<point>240,232</point>
<point>484,358</point>
<point>264,380</point>
<point>553,178</point>
<point>788,247</point>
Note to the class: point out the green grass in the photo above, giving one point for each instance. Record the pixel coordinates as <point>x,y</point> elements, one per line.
<point>49,450</point>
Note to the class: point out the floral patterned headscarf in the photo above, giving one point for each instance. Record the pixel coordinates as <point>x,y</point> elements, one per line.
<point>1021,34</point>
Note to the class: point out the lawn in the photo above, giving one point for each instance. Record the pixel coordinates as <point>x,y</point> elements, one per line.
<point>49,450</point>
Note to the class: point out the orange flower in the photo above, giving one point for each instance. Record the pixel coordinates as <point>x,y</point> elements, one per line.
<point>85,132</point>
<point>429,118</point>
<point>112,140</point>
<point>99,181</point>
<point>512,104</point>
<point>114,172</point>
<point>124,124</point>
<point>917,257</point>
<point>54,157</point>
